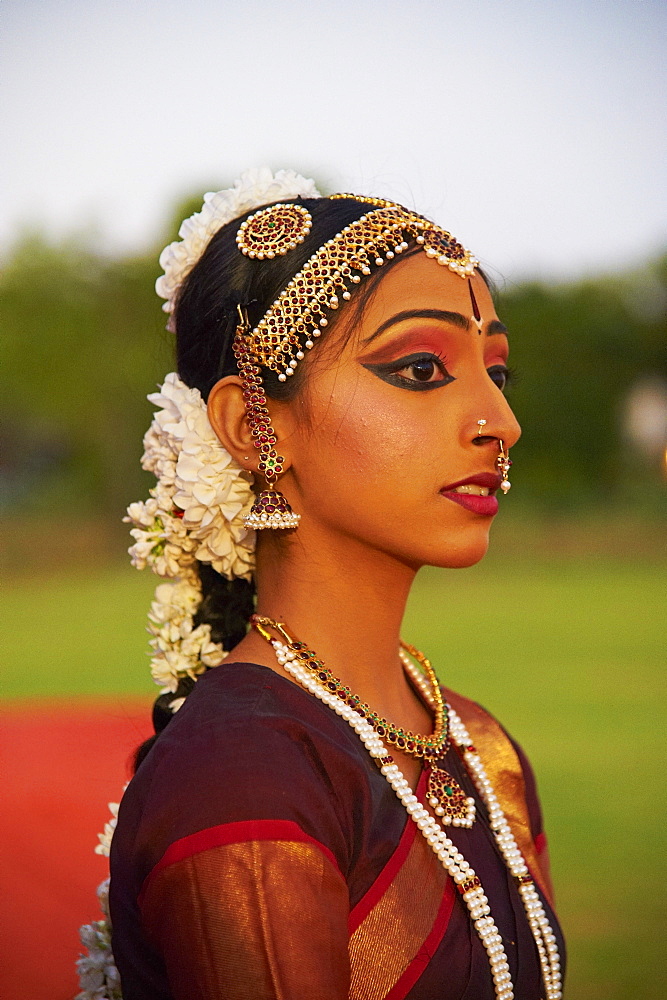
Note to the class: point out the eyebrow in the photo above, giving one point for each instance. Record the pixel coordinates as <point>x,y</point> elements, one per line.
<point>496,327</point>
<point>457,319</point>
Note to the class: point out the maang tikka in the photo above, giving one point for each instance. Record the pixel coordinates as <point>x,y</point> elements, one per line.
<point>297,317</point>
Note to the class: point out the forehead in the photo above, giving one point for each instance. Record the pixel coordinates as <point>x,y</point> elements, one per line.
<point>419,282</point>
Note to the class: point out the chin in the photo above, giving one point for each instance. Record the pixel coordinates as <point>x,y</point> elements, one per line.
<point>468,552</point>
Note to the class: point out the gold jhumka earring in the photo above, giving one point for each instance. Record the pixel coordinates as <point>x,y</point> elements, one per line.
<point>301,311</point>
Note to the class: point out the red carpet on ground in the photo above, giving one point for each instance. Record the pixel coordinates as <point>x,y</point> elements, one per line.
<point>61,763</point>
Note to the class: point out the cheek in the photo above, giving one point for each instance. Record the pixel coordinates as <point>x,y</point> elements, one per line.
<point>370,439</point>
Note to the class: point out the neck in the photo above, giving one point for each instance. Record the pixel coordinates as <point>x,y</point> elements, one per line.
<point>346,601</point>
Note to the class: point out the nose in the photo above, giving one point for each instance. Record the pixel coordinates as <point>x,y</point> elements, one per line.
<point>497,421</point>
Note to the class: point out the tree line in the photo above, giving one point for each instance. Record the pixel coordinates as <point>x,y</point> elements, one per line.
<point>82,341</point>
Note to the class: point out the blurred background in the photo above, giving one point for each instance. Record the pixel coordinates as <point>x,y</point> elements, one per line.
<point>535,132</point>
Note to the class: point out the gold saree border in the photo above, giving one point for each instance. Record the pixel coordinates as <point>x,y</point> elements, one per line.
<point>232,833</point>
<point>395,930</point>
<point>505,773</point>
<point>261,919</point>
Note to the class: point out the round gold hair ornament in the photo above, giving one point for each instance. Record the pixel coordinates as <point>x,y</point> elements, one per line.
<point>273,231</point>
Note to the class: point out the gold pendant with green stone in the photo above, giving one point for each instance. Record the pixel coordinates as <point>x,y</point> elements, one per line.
<point>448,799</point>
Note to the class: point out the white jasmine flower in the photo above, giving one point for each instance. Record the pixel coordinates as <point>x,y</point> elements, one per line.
<point>103,887</point>
<point>92,936</point>
<point>254,188</point>
<point>211,654</point>
<point>196,510</point>
<point>142,513</point>
<point>98,975</point>
<point>202,481</point>
<point>174,601</point>
<point>104,845</point>
<point>164,674</point>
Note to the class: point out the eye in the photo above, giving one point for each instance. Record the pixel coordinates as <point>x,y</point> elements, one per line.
<point>422,370</point>
<point>416,372</point>
<point>501,375</point>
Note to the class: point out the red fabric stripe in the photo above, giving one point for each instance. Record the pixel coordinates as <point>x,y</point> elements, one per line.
<point>234,833</point>
<point>428,949</point>
<point>390,870</point>
<point>540,842</point>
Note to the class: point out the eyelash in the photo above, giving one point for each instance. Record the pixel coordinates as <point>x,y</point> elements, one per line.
<point>390,372</point>
<point>508,373</point>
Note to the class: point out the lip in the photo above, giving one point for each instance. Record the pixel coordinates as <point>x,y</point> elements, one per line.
<point>486,506</point>
<point>489,480</point>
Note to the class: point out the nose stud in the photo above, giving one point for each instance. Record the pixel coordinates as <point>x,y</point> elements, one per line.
<point>481,424</point>
<point>503,463</point>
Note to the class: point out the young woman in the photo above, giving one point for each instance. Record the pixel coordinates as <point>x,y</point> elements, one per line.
<point>319,818</point>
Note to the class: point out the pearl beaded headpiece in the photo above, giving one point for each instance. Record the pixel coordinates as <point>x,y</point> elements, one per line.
<point>297,316</point>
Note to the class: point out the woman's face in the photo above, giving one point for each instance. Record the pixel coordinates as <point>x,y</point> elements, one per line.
<point>386,430</point>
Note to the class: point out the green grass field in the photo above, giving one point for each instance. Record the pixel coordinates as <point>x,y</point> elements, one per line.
<point>570,656</point>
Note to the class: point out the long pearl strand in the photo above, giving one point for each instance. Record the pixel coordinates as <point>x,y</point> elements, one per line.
<point>545,939</point>
<point>445,850</point>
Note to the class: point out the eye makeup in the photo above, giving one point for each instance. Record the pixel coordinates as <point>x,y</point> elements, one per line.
<point>425,340</point>
<point>423,365</point>
<point>502,376</point>
<point>412,359</point>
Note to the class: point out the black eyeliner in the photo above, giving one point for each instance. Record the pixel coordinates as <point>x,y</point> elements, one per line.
<point>503,370</point>
<point>389,372</point>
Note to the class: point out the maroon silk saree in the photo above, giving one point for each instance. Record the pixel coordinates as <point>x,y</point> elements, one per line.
<point>260,854</point>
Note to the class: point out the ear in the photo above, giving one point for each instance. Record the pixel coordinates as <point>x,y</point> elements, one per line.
<point>227,416</point>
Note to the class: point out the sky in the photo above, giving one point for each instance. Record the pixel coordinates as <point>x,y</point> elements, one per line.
<point>534,130</point>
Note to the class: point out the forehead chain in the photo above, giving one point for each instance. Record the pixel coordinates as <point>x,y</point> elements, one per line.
<point>298,316</point>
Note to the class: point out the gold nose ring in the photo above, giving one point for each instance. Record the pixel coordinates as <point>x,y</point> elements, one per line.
<point>503,464</point>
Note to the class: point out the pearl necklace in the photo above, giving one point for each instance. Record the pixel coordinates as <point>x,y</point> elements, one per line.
<point>454,863</point>
<point>444,794</point>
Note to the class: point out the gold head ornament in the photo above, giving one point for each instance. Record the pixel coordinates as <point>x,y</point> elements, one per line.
<point>302,310</point>
<point>274,231</point>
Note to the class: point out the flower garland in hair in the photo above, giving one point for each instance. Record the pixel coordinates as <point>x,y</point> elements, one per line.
<point>196,510</point>
<point>194,513</point>
<point>252,189</point>
<point>98,975</point>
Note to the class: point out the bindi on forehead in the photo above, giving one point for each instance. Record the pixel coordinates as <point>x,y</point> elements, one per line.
<point>477,316</point>
<point>493,327</point>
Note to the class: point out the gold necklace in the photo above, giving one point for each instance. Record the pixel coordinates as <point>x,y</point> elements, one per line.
<point>444,793</point>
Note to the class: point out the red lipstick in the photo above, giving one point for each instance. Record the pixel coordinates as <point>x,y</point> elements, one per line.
<point>486,506</point>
